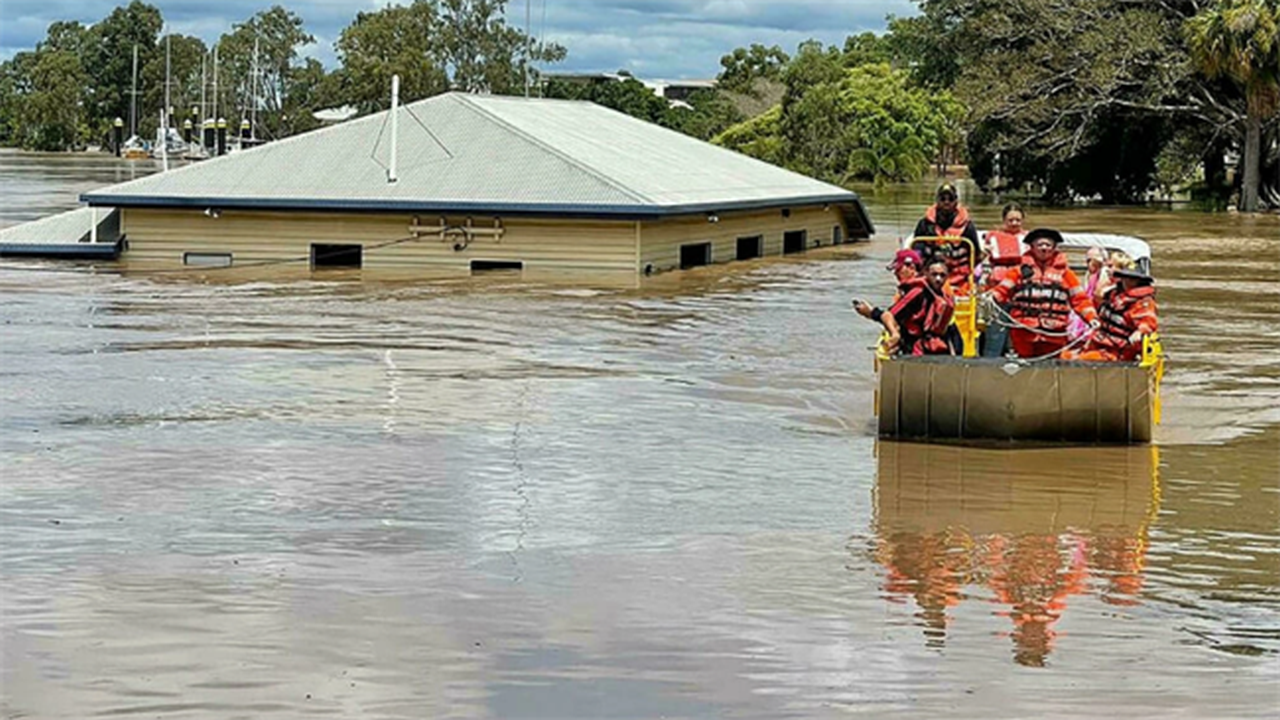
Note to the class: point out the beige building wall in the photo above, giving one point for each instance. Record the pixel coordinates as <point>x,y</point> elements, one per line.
<point>660,240</point>
<point>163,237</point>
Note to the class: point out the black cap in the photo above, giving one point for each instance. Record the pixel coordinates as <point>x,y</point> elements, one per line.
<point>947,188</point>
<point>1134,273</point>
<point>1038,233</point>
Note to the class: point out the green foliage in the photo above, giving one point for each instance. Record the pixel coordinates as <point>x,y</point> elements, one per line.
<point>708,114</point>
<point>868,122</point>
<point>485,54</point>
<point>108,57</point>
<point>277,35</point>
<point>1239,40</point>
<point>867,49</point>
<point>396,40</point>
<point>760,137</point>
<point>741,68</point>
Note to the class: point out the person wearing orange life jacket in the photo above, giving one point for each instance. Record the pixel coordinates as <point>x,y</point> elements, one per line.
<point>1127,313</point>
<point>1041,295</point>
<point>948,218</point>
<point>1003,248</point>
<point>918,321</point>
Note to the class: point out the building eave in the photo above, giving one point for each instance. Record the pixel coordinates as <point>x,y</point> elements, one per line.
<point>512,209</point>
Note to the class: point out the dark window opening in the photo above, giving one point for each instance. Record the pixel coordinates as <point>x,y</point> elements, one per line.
<point>695,255</point>
<point>496,265</point>
<point>794,241</point>
<point>837,234</point>
<point>336,256</point>
<point>750,247</point>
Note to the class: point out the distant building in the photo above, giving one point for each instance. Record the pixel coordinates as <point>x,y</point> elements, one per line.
<point>678,91</point>
<point>481,182</point>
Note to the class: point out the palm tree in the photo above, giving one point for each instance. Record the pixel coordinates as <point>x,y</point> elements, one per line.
<point>1240,40</point>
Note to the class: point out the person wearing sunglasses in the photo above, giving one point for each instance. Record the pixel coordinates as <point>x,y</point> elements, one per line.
<point>948,218</point>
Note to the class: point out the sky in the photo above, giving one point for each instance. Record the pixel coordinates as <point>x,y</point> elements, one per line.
<point>658,39</point>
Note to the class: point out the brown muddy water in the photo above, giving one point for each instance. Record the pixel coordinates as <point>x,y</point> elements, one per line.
<point>344,495</point>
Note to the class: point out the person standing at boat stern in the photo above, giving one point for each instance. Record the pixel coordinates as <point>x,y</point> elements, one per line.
<point>1127,313</point>
<point>918,321</point>
<point>948,218</point>
<point>1040,294</point>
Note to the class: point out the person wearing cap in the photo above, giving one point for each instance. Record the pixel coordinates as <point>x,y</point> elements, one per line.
<point>1041,295</point>
<point>905,266</point>
<point>1127,313</point>
<point>918,321</point>
<point>948,218</point>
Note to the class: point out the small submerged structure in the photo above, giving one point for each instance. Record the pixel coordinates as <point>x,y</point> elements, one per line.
<point>460,183</point>
<point>970,399</point>
<point>81,234</point>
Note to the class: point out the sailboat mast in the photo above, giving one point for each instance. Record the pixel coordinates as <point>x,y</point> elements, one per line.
<point>253,94</point>
<point>164,112</point>
<point>133,97</point>
<point>528,42</point>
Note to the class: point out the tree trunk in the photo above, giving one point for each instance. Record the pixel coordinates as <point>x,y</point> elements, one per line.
<point>1250,160</point>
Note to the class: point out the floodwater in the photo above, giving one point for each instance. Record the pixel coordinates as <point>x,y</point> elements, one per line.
<point>257,495</point>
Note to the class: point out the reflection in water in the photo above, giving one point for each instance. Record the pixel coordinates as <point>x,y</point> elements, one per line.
<point>1023,529</point>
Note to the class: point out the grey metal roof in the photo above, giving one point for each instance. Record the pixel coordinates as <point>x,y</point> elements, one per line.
<point>462,152</point>
<point>63,235</point>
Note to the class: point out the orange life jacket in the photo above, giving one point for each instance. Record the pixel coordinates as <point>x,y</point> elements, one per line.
<point>1041,295</point>
<point>1121,314</point>
<point>923,332</point>
<point>957,254</point>
<point>1004,248</point>
<point>958,224</point>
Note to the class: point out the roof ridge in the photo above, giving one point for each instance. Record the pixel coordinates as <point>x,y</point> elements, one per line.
<point>465,98</point>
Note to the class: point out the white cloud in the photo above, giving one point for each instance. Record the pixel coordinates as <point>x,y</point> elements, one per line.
<point>656,38</point>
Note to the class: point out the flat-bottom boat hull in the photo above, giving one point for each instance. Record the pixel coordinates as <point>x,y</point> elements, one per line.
<point>994,399</point>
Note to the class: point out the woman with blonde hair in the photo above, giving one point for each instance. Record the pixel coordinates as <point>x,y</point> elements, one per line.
<point>1095,264</point>
<point>1118,260</point>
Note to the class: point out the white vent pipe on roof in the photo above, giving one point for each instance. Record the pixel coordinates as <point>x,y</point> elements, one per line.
<point>395,106</point>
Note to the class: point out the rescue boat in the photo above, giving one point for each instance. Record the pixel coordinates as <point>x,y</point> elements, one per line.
<point>977,399</point>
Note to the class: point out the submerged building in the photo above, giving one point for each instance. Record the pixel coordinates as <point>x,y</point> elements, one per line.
<point>459,183</point>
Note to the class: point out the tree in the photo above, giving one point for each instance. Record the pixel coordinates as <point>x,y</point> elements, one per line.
<point>866,49</point>
<point>760,137</point>
<point>52,112</point>
<point>485,54</point>
<point>1240,40</point>
<point>108,58</point>
<point>709,113</point>
<point>396,40</point>
<point>744,66</point>
<point>277,35</point>
<point>840,124</point>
